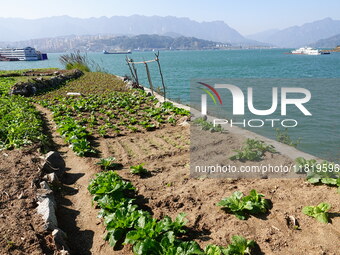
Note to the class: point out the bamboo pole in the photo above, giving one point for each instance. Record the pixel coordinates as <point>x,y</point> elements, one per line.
<point>149,76</point>
<point>160,72</point>
<point>128,63</point>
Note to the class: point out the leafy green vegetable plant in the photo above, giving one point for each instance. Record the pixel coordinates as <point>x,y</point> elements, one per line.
<point>240,246</point>
<point>109,183</point>
<point>75,134</point>
<point>242,206</point>
<point>107,163</point>
<point>319,212</point>
<point>20,123</point>
<point>139,169</point>
<point>126,224</point>
<point>123,220</point>
<point>319,173</point>
<point>253,150</point>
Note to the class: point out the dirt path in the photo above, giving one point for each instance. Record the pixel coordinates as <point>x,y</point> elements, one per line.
<point>76,216</point>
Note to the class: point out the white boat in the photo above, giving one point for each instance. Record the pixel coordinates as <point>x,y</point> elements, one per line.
<point>306,51</point>
<point>24,54</point>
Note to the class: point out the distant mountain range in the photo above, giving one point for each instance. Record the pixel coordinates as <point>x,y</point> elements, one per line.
<point>330,42</point>
<point>298,36</point>
<point>17,29</point>
<point>110,43</point>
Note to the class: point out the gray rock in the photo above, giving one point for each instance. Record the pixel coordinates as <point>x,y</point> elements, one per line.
<point>53,162</point>
<point>25,88</point>
<point>184,124</point>
<point>47,211</point>
<point>59,238</point>
<point>129,85</point>
<point>44,185</point>
<point>182,120</point>
<point>45,192</point>
<point>52,178</point>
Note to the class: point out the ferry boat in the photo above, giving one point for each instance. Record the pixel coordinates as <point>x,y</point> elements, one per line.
<point>117,52</point>
<point>306,51</point>
<point>24,54</point>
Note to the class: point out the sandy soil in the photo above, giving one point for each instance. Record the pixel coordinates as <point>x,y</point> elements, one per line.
<point>21,228</point>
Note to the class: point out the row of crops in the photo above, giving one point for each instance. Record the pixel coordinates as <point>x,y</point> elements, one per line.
<point>110,115</point>
<point>127,224</point>
<point>107,109</point>
<point>20,123</point>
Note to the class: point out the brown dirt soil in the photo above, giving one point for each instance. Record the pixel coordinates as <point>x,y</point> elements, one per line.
<point>169,190</point>
<point>21,229</point>
<point>75,213</point>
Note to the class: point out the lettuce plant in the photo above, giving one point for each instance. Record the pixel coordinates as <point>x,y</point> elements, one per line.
<point>319,212</point>
<point>242,206</point>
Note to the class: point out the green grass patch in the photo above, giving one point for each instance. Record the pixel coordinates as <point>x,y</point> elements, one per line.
<point>22,71</point>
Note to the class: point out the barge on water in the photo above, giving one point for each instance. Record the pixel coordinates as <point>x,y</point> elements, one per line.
<point>23,54</point>
<point>117,52</point>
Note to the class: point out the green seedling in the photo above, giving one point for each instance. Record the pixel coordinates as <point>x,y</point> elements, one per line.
<point>240,246</point>
<point>253,150</point>
<point>319,212</point>
<point>243,206</point>
<point>319,173</point>
<point>107,163</point>
<point>139,170</point>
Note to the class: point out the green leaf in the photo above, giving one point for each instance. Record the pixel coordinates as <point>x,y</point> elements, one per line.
<point>322,217</point>
<point>324,207</point>
<point>239,246</point>
<point>147,246</point>
<point>329,181</point>
<point>308,210</point>
<point>113,236</point>
<point>319,212</point>
<point>212,250</point>
<point>242,205</point>
<point>314,180</point>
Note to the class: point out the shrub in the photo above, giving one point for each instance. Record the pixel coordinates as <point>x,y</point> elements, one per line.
<point>75,61</point>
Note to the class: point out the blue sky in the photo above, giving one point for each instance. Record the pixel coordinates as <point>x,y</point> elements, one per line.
<point>246,16</point>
